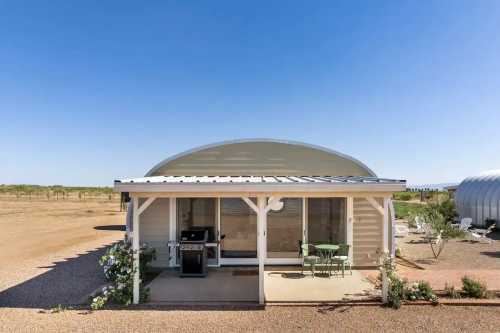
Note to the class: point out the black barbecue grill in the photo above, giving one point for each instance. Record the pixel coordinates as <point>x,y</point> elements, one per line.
<point>193,253</point>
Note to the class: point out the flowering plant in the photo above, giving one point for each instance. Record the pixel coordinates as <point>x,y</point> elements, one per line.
<point>118,269</point>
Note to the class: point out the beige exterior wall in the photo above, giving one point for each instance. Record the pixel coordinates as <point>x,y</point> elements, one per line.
<point>367,232</point>
<point>154,229</point>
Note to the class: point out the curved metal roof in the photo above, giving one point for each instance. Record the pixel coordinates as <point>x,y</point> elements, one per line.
<point>478,197</point>
<point>260,157</point>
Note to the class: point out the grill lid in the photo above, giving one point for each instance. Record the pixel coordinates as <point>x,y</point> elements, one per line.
<point>194,235</point>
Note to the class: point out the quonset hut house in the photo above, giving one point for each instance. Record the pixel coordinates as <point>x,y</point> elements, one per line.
<point>478,197</point>
<point>256,201</point>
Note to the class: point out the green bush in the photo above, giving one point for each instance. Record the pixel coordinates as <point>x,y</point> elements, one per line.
<point>396,292</point>
<point>118,269</point>
<point>438,215</point>
<point>398,289</point>
<point>421,290</point>
<point>474,288</point>
<point>404,196</point>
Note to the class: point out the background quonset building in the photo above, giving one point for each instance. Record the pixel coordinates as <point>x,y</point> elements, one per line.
<point>478,197</point>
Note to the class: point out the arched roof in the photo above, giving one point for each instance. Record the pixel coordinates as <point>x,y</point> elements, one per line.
<point>478,197</point>
<point>259,157</point>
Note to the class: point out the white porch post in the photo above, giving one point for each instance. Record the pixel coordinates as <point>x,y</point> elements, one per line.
<point>386,225</point>
<point>385,247</point>
<point>261,238</point>
<point>349,229</point>
<point>261,210</point>
<point>135,248</point>
<point>172,257</point>
<point>392,222</point>
<point>135,244</point>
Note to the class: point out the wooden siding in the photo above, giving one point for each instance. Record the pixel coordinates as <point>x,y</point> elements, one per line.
<point>154,229</point>
<point>367,233</point>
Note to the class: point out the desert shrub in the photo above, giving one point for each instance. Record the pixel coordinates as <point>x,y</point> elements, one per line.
<point>98,302</point>
<point>404,196</point>
<point>433,215</point>
<point>446,209</point>
<point>421,290</point>
<point>118,269</point>
<point>474,288</point>
<point>451,292</point>
<point>396,292</point>
<point>398,289</point>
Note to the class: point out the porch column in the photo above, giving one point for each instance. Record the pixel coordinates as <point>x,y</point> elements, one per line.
<point>386,225</point>
<point>135,244</point>
<point>261,210</point>
<point>392,225</point>
<point>261,239</point>
<point>172,231</point>
<point>135,249</point>
<point>385,247</point>
<point>349,228</point>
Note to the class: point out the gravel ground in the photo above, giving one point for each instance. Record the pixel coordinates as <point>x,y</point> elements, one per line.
<point>48,254</point>
<point>49,250</point>
<point>457,254</point>
<point>272,319</point>
<point>459,258</point>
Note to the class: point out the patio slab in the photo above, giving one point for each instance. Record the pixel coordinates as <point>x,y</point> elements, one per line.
<point>220,285</point>
<point>240,284</point>
<point>292,286</point>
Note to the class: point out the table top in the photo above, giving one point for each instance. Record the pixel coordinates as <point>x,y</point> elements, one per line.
<point>331,247</point>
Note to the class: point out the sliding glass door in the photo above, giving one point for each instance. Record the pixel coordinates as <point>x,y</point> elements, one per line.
<point>326,220</point>
<point>232,227</point>
<point>238,229</point>
<point>285,229</point>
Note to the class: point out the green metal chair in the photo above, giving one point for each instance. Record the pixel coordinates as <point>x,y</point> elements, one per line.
<point>308,259</point>
<point>341,258</point>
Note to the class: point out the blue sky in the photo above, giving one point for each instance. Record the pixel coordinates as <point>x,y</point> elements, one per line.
<point>91,91</point>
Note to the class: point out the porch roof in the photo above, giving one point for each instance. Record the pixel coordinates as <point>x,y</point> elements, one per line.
<point>258,184</point>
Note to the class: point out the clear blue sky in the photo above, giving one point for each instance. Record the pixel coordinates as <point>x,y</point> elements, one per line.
<point>91,91</point>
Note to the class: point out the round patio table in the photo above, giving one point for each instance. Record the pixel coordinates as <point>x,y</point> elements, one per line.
<point>326,252</point>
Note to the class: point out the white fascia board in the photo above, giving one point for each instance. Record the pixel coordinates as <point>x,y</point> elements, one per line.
<point>265,188</point>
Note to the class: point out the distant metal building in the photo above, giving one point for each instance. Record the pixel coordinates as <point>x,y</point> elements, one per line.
<point>478,197</point>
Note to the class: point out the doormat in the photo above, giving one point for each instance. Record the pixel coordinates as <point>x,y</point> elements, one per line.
<point>245,272</point>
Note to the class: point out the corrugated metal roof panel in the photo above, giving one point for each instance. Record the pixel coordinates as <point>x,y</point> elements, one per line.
<point>258,180</point>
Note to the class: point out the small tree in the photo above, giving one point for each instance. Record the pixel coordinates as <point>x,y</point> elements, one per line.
<point>439,218</point>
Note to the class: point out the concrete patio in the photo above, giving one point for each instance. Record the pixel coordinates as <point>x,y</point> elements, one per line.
<point>291,286</point>
<point>240,284</point>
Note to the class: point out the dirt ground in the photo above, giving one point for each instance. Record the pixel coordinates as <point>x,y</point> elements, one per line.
<point>49,249</point>
<point>272,319</point>
<point>48,256</point>
<point>459,258</point>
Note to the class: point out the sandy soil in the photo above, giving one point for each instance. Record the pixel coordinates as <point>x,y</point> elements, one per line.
<point>458,258</point>
<point>49,249</point>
